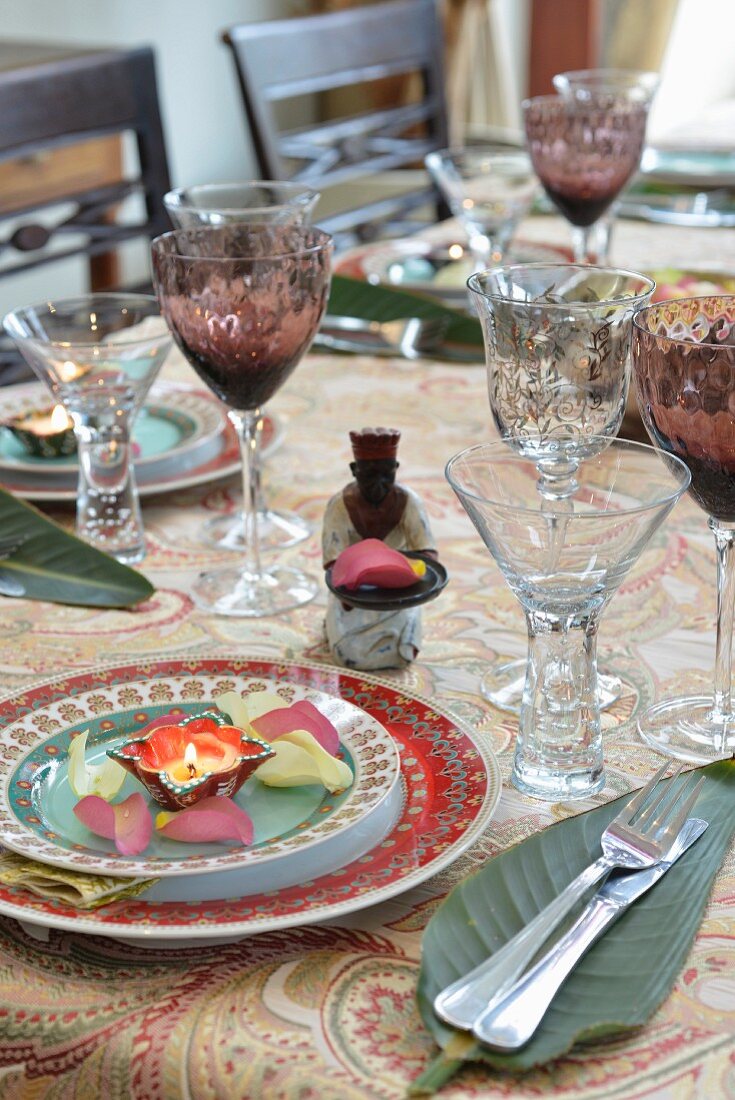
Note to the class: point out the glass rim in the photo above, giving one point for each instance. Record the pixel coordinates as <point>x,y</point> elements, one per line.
<point>603,75</point>
<point>508,268</point>
<point>106,297</point>
<point>324,245</point>
<point>176,199</point>
<point>562,103</point>
<point>681,339</point>
<point>610,444</point>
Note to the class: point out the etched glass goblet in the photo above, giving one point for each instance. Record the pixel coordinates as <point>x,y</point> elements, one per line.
<point>603,88</point>
<point>256,201</point>
<point>584,153</point>
<point>243,303</point>
<point>557,341</point>
<point>489,191</point>
<point>99,355</point>
<point>622,493</point>
<point>684,368</point>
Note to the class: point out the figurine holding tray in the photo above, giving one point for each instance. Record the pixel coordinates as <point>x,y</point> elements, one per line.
<point>377,628</point>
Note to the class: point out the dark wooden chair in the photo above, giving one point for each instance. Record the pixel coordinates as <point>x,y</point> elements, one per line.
<point>60,111</point>
<point>388,49</point>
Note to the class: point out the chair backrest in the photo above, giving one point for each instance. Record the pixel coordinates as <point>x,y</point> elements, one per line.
<point>290,59</point>
<point>58,102</point>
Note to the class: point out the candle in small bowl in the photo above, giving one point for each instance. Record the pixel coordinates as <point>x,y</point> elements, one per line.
<point>44,433</point>
<point>199,757</point>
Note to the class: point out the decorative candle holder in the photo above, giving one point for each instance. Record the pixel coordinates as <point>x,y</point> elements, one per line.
<point>37,433</point>
<point>199,757</point>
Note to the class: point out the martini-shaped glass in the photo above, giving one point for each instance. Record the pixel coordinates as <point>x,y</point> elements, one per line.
<point>243,303</point>
<point>622,495</point>
<point>255,201</point>
<point>584,153</point>
<point>99,355</point>
<point>557,341</point>
<point>684,366</point>
<point>489,191</point>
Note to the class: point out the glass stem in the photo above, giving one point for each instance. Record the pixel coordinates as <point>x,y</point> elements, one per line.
<point>583,248</point>
<point>724,542</point>
<point>108,508</point>
<point>559,748</point>
<point>247,422</point>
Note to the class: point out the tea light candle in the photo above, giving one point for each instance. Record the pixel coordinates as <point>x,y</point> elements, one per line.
<point>197,764</point>
<point>46,423</point>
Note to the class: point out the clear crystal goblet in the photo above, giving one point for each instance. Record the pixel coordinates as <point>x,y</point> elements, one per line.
<point>584,153</point>
<point>603,87</point>
<point>557,343</point>
<point>259,201</point>
<point>684,368</point>
<point>489,191</point>
<point>99,354</point>
<point>622,494</point>
<point>243,303</point>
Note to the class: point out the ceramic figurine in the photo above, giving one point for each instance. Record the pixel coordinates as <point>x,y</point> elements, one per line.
<point>374,506</point>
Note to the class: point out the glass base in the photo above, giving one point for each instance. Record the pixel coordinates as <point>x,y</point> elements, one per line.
<point>129,556</point>
<point>276,531</point>
<point>253,595</point>
<point>502,685</point>
<point>555,785</point>
<point>683,728</point>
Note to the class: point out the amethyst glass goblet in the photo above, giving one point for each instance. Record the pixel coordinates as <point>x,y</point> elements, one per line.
<point>584,153</point>
<point>286,203</point>
<point>243,303</point>
<point>684,367</point>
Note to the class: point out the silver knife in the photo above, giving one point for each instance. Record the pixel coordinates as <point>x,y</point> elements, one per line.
<point>510,1020</point>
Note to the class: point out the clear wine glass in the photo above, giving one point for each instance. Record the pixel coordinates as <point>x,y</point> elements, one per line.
<point>604,87</point>
<point>557,341</point>
<point>622,493</point>
<point>584,153</point>
<point>259,201</point>
<point>98,355</point>
<point>684,367</point>
<point>489,191</point>
<point>243,303</point>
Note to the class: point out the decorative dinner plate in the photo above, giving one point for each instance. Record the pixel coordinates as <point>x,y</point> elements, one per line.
<point>694,167</point>
<point>450,786</point>
<point>174,427</point>
<point>441,270</point>
<point>36,801</point>
<point>180,457</point>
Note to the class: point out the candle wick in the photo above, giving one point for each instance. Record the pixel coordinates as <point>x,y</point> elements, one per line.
<point>192,771</point>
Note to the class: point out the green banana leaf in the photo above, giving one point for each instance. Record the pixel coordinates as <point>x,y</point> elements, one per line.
<point>356,298</point>
<point>621,981</point>
<point>40,561</point>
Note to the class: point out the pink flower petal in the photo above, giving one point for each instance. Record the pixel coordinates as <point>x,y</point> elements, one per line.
<point>372,562</point>
<point>299,716</point>
<point>127,823</point>
<point>212,819</point>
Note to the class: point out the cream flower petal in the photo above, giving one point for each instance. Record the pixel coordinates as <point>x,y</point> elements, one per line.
<point>104,780</point>
<point>300,759</point>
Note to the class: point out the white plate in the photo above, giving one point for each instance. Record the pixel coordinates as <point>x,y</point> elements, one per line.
<point>36,802</point>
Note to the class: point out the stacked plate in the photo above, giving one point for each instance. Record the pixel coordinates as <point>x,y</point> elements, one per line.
<point>424,788</point>
<point>182,437</point>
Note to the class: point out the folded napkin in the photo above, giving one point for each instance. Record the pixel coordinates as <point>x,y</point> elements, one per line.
<point>71,887</point>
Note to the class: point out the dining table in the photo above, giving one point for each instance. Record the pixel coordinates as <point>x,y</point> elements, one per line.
<point>327,1009</point>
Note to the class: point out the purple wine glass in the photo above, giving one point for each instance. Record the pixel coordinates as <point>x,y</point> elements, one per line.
<point>584,153</point>
<point>243,303</point>
<point>684,366</point>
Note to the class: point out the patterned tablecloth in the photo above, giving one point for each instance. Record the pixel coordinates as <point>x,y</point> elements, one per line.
<point>328,1011</point>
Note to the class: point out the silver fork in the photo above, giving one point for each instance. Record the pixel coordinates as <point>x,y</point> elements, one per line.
<point>410,337</point>
<point>632,845</point>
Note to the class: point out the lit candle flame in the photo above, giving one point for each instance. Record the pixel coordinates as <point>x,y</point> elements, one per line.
<point>59,419</point>
<point>190,759</point>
